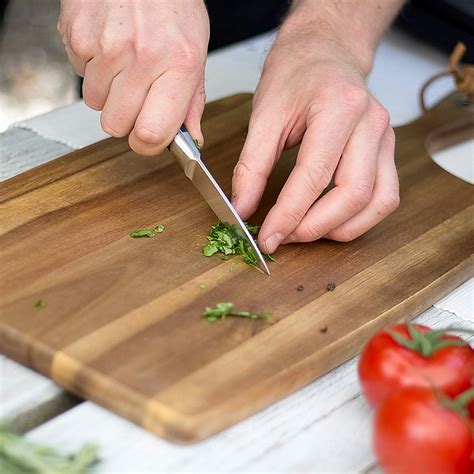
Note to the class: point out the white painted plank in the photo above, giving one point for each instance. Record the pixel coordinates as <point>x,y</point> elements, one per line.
<point>21,150</point>
<point>460,301</point>
<point>27,399</point>
<point>326,426</point>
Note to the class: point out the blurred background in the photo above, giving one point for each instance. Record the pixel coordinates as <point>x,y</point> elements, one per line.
<point>35,76</point>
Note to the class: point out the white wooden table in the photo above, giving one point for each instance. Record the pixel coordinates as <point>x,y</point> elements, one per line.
<point>324,427</point>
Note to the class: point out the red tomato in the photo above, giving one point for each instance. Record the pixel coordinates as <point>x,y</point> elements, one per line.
<point>414,433</point>
<point>385,366</point>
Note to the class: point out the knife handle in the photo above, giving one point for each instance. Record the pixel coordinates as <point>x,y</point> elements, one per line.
<point>184,149</point>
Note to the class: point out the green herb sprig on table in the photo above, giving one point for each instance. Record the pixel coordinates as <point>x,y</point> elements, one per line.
<point>222,310</point>
<point>19,455</point>
<point>147,232</point>
<point>224,239</point>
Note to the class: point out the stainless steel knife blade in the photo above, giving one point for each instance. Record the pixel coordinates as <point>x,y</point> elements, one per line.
<point>184,149</point>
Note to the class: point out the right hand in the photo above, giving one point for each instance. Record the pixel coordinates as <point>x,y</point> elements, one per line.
<point>143,65</point>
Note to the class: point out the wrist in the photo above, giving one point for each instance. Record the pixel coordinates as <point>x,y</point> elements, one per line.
<point>329,33</point>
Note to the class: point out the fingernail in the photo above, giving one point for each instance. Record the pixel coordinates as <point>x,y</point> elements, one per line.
<point>272,242</point>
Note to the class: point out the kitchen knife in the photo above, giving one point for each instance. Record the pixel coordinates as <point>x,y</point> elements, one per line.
<point>184,149</point>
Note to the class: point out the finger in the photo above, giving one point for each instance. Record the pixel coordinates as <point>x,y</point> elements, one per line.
<point>385,198</point>
<point>78,64</point>
<point>124,101</point>
<point>354,180</point>
<point>263,145</point>
<point>98,77</point>
<point>194,115</point>
<point>320,151</point>
<point>163,112</point>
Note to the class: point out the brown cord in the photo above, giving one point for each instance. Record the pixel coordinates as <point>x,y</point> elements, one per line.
<point>463,76</point>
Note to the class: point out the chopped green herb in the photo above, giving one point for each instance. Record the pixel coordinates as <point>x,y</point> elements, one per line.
<point>159,228</point>
<point>198,146</point>
<point>223,238</point>
<point>253,229</point>
<point>40,304</point>
<point>222,310</point>
<point>202,285</point>
<point>142,233</point>
<point>19,455</point>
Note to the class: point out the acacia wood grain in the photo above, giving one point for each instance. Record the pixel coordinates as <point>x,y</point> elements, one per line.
<point>122,324</point>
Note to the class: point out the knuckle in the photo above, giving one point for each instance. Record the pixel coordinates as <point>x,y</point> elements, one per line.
<point>312,231</point>
<point>78,43</point>
<point>360,195</point>
<point>241,170</point>
<point>151,134</point>
<point>92,102</point>
<point>353,98</point>
<point>292,216</point>
<point>147,54</point>
<point>92,97</point>
<point>109,127</point>
<point>389,202</point>
<point>319,174</point>
<point>188,57</point>
<point>381,118</point>
<point>344,234</point>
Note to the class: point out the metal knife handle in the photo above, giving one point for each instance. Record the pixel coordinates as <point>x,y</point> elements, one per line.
<point>185,151</point>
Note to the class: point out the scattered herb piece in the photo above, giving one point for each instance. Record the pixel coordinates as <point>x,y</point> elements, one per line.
<point>198,145</point>
<point>222,310</point>
<point>253,229</point>
<point>40,304</point>
<point>159,228</point>
<point>331,286</point>
<point>19,455</point>
<point>202,285</point>
<point>300,288</point>
<point>223,238</point>
<point>142,233</point>
<point>323,329</point>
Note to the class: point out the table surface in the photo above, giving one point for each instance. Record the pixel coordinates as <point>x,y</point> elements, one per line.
<point>326,426</point>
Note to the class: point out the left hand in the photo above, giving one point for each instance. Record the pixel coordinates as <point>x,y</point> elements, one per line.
<point>313,91</point>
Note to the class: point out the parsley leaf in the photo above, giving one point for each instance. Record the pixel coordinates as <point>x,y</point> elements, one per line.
<point>224,239</point>
<point>159,228</point>
<point>142,233</point>
<point>224,309</point>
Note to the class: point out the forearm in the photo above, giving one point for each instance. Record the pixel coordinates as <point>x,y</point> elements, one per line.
<point>353,25</point>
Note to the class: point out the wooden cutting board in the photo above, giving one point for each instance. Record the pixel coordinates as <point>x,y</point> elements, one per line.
<point>122,324</point>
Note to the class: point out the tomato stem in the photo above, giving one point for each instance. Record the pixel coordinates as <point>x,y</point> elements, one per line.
<point>428,342</point>
<point>459,404</point>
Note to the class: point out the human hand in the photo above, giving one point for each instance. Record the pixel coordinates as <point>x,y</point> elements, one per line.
<point>313,91</point>
<point>143,65</point>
